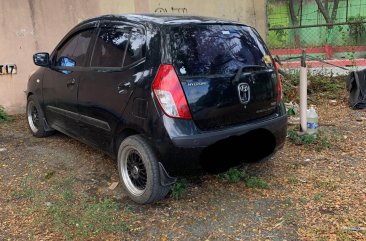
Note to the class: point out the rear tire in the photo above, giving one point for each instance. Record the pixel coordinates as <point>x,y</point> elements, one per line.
<point>35,118</point>
<point>139,171</point>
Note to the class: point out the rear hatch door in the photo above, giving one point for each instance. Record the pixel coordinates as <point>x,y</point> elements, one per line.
<point>226,73</point>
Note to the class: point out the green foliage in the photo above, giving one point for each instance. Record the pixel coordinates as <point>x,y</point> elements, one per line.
<point>88,216</point>
<point>75,215</point>
<point>290,82</point>
<point>235,175</point>
<point>3,115</point>
<point>256,182</point>
<point>49,175</point>
<point>356,27</point>
<point>298,139</point>
<point>318,196</point>
<point>320,141</point>
<point>25,190</point>
<point>179,188</point>
<point>329,185</point>
<point>290,218</point>
<point>320,86</point>
<point>325,86</point>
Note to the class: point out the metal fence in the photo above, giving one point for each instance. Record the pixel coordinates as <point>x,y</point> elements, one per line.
<point>332,29</point>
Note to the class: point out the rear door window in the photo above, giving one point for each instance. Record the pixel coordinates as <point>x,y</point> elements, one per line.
<point>136,47</point>
<point>216,49</point>
<point>110,48</point>
<point>118,47</point>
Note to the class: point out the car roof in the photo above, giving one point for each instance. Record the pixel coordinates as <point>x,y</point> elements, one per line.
<point>160,19</point>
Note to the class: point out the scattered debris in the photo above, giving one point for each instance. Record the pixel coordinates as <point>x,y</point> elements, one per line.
<point>357,229</point>
<point>360,118</point>
<point>293,120</point>
<point>333,102</point>
<point>2,149</point>
<point>292,108</point>
<point>49,175</point>
<point>293,112</point>
<point>113,186</point>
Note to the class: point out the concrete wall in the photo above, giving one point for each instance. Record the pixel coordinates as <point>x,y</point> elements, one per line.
<point>29,26</point>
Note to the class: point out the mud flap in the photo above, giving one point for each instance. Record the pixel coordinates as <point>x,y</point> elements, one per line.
<point>165,179</point>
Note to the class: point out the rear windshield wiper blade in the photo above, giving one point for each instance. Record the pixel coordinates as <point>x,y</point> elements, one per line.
<point>242,69</point>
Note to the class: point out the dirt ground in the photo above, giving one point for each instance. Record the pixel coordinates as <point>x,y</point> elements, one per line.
<point>56,188</point>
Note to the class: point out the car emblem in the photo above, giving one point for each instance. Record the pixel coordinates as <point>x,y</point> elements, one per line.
<point>244,93</point>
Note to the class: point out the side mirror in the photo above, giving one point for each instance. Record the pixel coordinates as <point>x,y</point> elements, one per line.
<point>41,59</point>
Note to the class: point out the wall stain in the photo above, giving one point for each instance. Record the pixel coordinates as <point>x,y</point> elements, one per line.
<point>32,15</point>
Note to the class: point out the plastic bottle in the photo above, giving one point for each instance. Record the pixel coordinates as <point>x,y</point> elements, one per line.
<point>312,121</point>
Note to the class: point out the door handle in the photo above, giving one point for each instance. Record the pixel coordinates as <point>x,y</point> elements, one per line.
<point>71,83</point>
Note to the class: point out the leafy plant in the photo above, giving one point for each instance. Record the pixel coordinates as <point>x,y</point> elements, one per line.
<point>255,182</point>
<point>179,188</point>
<point>234,175</point>
<point>318,196</point>
<point>299,139</point>
<point>3,115</point>
<point>323,86</point>
<point>356,27</point>
<point>320,141</point>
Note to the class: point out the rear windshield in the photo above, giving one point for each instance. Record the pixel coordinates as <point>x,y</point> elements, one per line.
<point>216,49</point>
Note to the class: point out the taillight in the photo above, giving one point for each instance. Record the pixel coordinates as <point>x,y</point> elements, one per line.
<point>279,86</point>
<point>169,92</point>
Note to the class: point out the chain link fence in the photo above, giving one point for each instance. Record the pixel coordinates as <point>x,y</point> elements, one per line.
<point>327,28</point>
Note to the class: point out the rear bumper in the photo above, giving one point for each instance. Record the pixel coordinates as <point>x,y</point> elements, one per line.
<point>277,126</point>
<point>183,145</point>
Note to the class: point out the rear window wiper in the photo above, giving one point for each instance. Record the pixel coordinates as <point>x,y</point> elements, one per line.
<point>256,68</point>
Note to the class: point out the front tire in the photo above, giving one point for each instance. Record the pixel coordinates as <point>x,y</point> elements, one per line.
<point>139,171</point>
<point>35,118</point>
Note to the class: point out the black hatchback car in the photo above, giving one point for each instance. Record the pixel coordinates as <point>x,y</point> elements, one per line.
<point>163,94</point>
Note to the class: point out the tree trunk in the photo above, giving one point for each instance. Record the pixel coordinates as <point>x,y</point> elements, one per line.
<point>329,19</point>
<point>335,9</point>
<point>295,22</point>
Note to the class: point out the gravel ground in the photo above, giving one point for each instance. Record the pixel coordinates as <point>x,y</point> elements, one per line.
<point>56,188</point>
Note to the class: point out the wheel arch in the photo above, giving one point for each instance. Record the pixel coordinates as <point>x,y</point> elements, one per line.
<point>121,135</point>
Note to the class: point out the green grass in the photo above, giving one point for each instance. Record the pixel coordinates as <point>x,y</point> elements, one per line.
<point>179,188</point>
<point>290,218</point>
<point>328,185</point>
<point>86,217</point>
<point>74,214</point>
<point>293,180</point>
<point>235,175</point>
<point>3,115</point>
<point>25,190</point>
<point>256,182</point>
<point>320,141</point>
<point>318,196</point>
